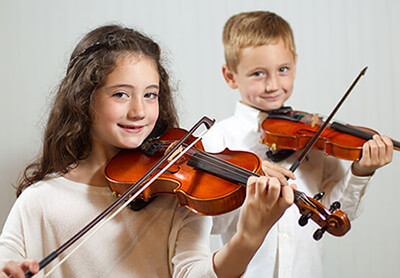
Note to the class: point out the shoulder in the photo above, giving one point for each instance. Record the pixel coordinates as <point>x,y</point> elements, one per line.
<point>214,139</point>
<point>44,187</point>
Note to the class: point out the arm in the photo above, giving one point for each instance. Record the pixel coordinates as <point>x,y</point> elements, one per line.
<point>349,187</point>
<point>260,210</point>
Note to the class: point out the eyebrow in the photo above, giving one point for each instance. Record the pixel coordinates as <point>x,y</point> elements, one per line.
<point>152,86</point>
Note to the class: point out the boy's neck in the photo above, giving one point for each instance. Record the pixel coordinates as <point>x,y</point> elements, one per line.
<point>282,110</point>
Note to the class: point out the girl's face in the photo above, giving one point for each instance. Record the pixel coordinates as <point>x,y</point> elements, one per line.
<point>126,106</point>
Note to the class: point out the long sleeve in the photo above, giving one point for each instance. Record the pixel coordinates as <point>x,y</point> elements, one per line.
<point>190,239</point>
<point>341,185</point>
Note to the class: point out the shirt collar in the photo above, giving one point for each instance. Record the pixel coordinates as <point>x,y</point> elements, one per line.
<point>249,114</point>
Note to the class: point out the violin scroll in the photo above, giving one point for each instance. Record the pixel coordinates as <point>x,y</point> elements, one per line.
<point>333,221</point>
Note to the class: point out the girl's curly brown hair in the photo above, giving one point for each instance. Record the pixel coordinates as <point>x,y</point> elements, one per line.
<point>67,138</point>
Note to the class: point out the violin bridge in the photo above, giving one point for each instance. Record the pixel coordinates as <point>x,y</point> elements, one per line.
<point>315,120</point>
<point>176,152</point>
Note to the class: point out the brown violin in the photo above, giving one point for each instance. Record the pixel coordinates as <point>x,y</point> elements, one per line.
<point>209,184</point>
<point>291,130</point>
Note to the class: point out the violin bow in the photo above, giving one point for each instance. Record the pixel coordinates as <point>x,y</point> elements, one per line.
<point>314,139</point>
<point>298,195</point>
<point>172,156</point>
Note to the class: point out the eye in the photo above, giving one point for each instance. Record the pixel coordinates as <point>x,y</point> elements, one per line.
<point>283,69</point>
<point>258,74</point>
<point>151,95</point>
<point>120,95</point>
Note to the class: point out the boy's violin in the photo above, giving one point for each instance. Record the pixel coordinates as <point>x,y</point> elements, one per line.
<point>291,130</point>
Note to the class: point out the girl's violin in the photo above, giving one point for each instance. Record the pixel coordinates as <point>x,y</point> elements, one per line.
<point>205,183</point>
<point>209,184</point>
<point>291,130</point>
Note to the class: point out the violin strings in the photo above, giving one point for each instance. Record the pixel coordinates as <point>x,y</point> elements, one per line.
<point>243,173</point>
<point>125,204</point>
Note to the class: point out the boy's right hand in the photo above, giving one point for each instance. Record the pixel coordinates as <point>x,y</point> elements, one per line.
<point>15,270</point>
<point>271,169</point>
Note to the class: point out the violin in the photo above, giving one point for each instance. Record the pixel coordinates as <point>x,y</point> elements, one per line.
<point>210,184</point>
<point>291,130</point>
<point>202,178</point>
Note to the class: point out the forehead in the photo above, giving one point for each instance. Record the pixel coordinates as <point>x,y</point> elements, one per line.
<point>276,53</point>
<point>133,67</point>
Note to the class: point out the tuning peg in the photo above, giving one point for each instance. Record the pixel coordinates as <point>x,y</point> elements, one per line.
<point>304,219</point>
<point>319,195</point>
<point>334,206</point>
<point>319,233</point>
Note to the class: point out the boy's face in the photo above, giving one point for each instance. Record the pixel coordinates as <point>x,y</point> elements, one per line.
<point>264,75</point>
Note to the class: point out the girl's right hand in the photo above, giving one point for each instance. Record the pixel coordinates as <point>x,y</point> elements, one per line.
<point>15,270</point>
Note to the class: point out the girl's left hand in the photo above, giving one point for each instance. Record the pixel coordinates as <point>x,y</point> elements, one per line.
<point>376,153</point>
<point>265,203</point>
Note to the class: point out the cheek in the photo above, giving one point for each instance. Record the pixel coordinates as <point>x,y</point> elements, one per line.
<point>255,88</point>
<point>110,111</point>
<point>287,84</point>
<point>153,113</point>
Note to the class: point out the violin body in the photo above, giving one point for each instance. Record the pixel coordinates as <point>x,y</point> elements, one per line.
<point>200,191</point>
<point>294,129</point>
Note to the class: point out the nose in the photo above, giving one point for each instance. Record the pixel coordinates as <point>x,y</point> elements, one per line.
<point>136,109</point>
<point>272,83</point>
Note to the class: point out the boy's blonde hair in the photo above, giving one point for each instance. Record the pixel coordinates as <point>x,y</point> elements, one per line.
<point>254,29</point>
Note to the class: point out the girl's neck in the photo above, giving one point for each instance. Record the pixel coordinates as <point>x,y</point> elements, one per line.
<point>90,170</point>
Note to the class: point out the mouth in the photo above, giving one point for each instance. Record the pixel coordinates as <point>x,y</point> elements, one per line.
<point>132,128</point>
<point>271,97</point>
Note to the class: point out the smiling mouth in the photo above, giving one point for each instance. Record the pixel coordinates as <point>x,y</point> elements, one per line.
<point>271,97</point>
<point>132,128</point>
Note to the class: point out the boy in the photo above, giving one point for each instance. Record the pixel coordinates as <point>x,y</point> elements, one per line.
<point>261,61</point>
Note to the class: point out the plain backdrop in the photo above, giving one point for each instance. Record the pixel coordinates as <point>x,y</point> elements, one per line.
<point>335,40</point>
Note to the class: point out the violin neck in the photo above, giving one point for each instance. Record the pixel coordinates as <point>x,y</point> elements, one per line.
<point>364,134</point>
<point>228,171</point>
<point>222,169</point>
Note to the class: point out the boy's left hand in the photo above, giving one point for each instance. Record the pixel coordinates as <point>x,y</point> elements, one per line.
<point>376,153</point>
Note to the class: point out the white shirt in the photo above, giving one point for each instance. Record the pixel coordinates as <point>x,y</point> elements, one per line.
<point>161,240</point>
<point>289,250</point>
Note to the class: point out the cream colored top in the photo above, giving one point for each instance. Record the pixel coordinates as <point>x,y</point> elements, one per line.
<point>161,240</point>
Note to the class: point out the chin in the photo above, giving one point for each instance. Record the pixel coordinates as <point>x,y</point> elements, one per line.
<point>130,145</point>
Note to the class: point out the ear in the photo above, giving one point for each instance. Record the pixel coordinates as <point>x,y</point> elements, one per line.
<point>229,77</point>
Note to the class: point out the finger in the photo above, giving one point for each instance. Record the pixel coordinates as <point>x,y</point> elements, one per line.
<point>287,197</point>
<point>272,173</point>
<point>12,269</point>
<point>389,148</point>
<point>388,141</point>
<point>250,187</point>
<point>261,187</point>
<point>366,154</point>
<point>31,265</point>
<point>275,170</point>
<point>274,190</point>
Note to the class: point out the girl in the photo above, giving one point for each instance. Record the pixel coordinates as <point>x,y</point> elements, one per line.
<point>115,93</point>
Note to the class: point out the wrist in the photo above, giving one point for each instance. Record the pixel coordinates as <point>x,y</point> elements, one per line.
<point>360,171</point>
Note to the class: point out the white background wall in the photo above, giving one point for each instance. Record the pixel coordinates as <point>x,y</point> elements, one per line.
<point>335,40</point>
